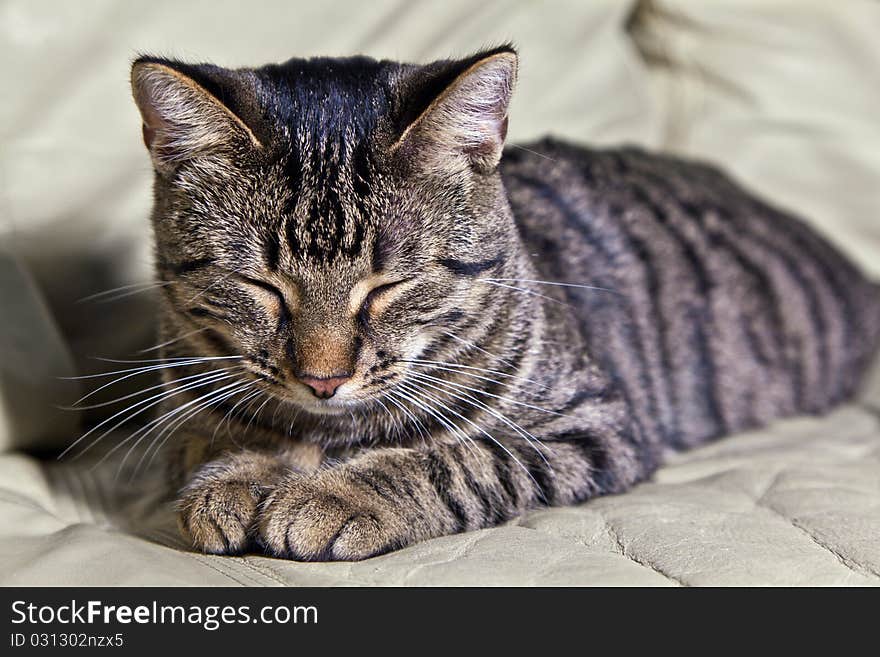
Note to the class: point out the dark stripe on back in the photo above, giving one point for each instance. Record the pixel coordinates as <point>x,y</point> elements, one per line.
<point>609,253</point>
<point>794,265</point>
<point>701,315</point>
<point>720,236</point>
<point>834,269</point>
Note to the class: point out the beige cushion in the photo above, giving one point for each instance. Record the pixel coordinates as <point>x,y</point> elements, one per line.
<point>796,505</point>
<point>786,95</point>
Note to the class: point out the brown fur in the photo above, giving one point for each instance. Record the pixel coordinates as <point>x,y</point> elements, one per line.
<point>513,331</point>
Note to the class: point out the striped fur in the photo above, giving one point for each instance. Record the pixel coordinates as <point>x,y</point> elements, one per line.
<point>536,333</point>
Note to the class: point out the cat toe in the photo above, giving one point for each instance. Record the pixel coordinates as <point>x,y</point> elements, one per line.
<point>217,517</point>
<point>305,522</point>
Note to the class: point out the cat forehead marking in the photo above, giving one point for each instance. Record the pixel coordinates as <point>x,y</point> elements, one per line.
<point>329,110</point>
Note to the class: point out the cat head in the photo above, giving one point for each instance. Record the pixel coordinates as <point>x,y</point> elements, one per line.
<point>327,219</point>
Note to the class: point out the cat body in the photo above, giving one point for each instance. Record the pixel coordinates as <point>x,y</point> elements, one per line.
<point>382,328</point>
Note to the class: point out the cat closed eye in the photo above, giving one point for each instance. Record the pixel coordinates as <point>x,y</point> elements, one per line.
<point>378,298</point>
<point>272,297</point>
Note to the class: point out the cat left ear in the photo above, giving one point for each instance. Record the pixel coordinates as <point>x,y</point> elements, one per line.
<point>181,118</point>
<point>467,121</point>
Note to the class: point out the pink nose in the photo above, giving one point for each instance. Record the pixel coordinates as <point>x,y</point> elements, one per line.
<point>324,387</point>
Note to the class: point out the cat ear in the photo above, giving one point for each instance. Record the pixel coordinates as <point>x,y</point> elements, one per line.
<point>182,119</point>
<point>467,120</point>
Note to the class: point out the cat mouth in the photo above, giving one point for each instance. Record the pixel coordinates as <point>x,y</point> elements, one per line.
<point>323,407</point>
<point>308,402</point>
<point>304,397</point>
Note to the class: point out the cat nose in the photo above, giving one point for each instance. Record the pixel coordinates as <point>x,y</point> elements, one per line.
<point>324,387</point>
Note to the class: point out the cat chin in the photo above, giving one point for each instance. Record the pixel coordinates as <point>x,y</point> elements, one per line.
<point>323,409</point>
<point>318,408</point>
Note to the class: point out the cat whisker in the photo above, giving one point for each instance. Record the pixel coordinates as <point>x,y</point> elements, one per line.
<point>416,388</point>
<point>278,407</point>
<point>134,370</point>
<point>172,359</point>
<point>143,405</point>
<point>415,402</point>
<point>478,376</point>
<point>509,400</point>
<point>456,430</point>
<point>259,409</point>
<point>554,283</point>
<point>215,282</point>
<point>147,426</point>
<point>423,431</point>
<point>523,291</point>
<point>395,425</point>
<point>497,442</point>
<point>530,438</point>
<point>416,422</point>
<point>478,348</point>
<point>227,418</point>
<point>107,296</point>
<point>170,342</point>
<point>529,150</point>
<point>76,405</point>
<point>201,404</point>
<point>153,424</point>
<point>427,408</point>
<point>158,442</point>
<point>457,366</point>
<point>293,420</point>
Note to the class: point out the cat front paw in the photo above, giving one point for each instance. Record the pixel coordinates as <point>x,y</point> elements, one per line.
<point>329,516</point>
<point>217,515</point>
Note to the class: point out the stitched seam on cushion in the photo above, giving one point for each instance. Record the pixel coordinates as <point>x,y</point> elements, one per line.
<point>233,565</point>
<point>644,564</point>
<point>847,562</point>
<point>265,573</point>
<point>158,535</point>
<point>216,568</point>
<point>858,568</point>
<point>459,552</point>
<point>173,540</point>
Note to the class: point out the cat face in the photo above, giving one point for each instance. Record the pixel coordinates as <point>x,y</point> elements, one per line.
<point>330,220</point>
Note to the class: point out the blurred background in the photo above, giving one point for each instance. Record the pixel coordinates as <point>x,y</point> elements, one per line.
<point>783,93</point>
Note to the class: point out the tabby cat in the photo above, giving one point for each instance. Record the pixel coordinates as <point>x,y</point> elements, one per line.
<point>384,327</point>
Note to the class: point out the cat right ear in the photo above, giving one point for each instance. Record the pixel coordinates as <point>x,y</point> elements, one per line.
<point>462,111</point>
<point>181,118</point>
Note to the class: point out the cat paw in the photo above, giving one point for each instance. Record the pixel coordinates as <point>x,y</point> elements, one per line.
<point>217,515</point>
<point>323,517</point>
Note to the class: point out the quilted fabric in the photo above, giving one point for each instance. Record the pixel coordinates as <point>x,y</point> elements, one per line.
<point>784,93</point>
<point>798,505</point>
